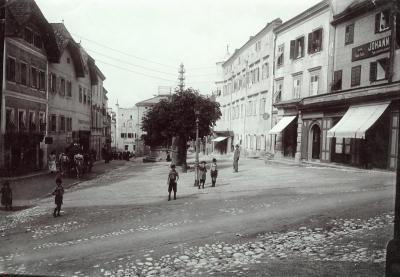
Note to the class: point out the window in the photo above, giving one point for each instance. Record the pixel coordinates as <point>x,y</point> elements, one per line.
<point>130,135</point>
<point>262,106</point>
<point>280,59</point>
<point>69,88</point>
<point>258,46</point>
<point>254,109</point>
<point>84,96</point>
<point>297,48</point>
<point>314,84</point>
<point>278,91</point>
<point>42,80</point>
<point>265,70</point>
<point>38,41</point>
<point>53,122</point>
<point>80,94</point>
<point>296,88</point>
<point>21,120</point>
<point>68,60</point>
<point>10,119</point>
<point>349,34</point>
<point>53,83</point>
<point>32,121</point>
<point>23,72</point>
<point>34,77</point>
<point>337,80</point>
<point>249,108</point>
<point>355,75</point>
<point>10,70</point>
<point>382,21</point>
<point>62,86</point>
<point>378,70</point>
<point>42,122</point>
<point>69,124</point>
<point>28,35</point>
<point>62,124</point>
<point>123,135</point>
<point>315,41</point>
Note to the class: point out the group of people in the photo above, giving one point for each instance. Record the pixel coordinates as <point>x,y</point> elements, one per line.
<point>173,175</point>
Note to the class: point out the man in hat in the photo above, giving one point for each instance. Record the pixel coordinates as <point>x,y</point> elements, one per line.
<point>236,155</point>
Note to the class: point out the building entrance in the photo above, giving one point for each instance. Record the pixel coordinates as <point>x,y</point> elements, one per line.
<point>316,142</point>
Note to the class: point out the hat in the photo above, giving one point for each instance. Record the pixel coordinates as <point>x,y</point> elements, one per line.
<point>172,166</point>
<point>58,180</point>
<point>237,145</point>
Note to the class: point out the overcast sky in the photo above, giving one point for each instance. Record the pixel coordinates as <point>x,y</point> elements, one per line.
<point>133,38</point>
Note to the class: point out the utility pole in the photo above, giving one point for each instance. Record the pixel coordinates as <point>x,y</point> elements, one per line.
<point>3,9</point>
<point>181,77</point>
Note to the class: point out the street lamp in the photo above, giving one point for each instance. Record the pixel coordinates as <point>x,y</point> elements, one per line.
<point>196,181</point>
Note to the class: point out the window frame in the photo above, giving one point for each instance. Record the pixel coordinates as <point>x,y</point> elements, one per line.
<point>34,120</point>
<point>24,120</point>
<point>355,80</point>
<point>349,36</point>
<point>9,69</point>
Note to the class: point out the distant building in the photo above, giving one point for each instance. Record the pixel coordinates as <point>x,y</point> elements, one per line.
<point>126,129</point>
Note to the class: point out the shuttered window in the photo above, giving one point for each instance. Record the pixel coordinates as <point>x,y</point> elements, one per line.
<point>349,34</point>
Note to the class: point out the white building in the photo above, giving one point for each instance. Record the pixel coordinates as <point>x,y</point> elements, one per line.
<point>126,128</point>
<point>245,95</point>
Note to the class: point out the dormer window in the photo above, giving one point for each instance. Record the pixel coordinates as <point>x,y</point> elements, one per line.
<point>28,35</point>
<point>382,21</point>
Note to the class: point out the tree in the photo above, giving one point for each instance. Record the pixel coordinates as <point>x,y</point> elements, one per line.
<point>175,117</point>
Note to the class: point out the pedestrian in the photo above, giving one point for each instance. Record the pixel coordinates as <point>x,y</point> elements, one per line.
<point>52,162</point>
<point>202,173</point>
<point>236,156</point>
<point>58,197</point>
<point>6,196</point>
<point>213,172</point>
<point>173,178</point>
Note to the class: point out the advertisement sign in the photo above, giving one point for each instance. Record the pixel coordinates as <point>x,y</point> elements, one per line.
<point>371,49</point>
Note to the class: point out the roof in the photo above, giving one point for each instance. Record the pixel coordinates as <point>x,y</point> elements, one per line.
<point>101,75</point>
<point>270,26</point>
<point>300,17</point>
<point>64,40</point>
<point>27,11</point>
<point>356,8</point>
<point>152,101</point>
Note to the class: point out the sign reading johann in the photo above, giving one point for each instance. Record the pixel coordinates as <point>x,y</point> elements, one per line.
<point>371,49</point>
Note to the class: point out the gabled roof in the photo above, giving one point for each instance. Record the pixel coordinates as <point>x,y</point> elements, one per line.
<point>358,7</point>
<point>152,101</point>
<point>64,40</point>
<point>27,11</point>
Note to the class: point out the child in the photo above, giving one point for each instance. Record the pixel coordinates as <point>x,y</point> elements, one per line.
<point>58,193</point>
<point>6,196</point>
<point>213,172</point>
<point>173,177</point>
<point>202,173</point>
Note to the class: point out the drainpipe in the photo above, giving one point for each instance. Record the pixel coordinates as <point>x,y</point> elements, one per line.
<point>393,19</point>
<point>2,84</point>
<point>272,137</point>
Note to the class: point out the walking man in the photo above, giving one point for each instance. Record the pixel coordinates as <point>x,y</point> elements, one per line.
<point>236,156</point>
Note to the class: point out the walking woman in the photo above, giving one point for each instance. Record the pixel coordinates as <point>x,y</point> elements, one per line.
<point>213,172</point>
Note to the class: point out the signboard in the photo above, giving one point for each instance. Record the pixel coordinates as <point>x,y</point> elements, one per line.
<point>371,49</point>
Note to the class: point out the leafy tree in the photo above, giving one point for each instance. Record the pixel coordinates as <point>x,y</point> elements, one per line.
<point>176,117</point>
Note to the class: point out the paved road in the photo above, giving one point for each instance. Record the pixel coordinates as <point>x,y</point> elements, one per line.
<point>121,224</point>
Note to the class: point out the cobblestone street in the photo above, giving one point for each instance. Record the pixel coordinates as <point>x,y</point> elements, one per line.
<point>121,224</point>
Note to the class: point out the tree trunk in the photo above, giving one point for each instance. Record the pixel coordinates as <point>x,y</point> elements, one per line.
<point>182,151</point>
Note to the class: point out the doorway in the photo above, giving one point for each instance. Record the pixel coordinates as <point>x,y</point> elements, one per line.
<point>316,142</point>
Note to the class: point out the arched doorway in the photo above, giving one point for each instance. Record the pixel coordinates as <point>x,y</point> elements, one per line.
<point>316,142</point>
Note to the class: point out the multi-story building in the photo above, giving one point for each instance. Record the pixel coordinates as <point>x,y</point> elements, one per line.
<point>303,62</point>
<point>69,94</point>
<point>29,44</point>
<point>126,130</point>
<point>113,129</point>
<point>246,94</point>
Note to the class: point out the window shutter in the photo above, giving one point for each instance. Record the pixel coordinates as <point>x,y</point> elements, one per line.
<point>377,22</point>
<point>17,72</point>
<point>302,46</point>
<point>372,71</point>
<point>310,39</point>
<point>58,85</point>
<point>319,32</point>
<point>292,48</point>
<point>49,81</point>
<point>385,65</point>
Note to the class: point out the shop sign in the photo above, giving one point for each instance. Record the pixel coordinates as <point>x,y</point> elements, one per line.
<point>371,49</point>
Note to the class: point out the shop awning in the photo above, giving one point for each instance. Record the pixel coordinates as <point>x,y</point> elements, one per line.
<point>357,120</point>
<point>218,139</point>
<point>281,125</point>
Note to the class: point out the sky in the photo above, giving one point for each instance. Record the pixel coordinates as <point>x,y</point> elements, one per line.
<point>139,44</point>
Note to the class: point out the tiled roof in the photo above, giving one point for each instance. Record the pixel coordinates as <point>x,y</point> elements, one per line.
<point>152,101</point>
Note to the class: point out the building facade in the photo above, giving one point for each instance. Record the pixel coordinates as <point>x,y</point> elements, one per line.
<point>126,129</point>
<point>29,44</point>
<point>245,95</point>
<point>303,62</point>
